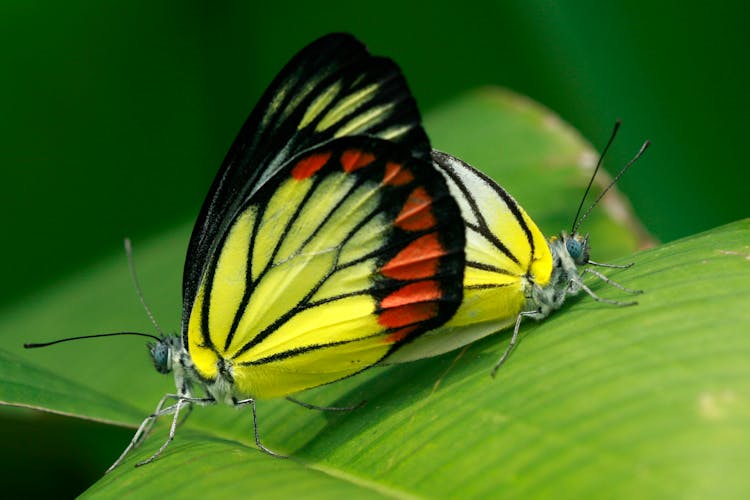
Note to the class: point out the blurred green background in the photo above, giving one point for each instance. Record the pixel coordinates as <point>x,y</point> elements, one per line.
<point>115,116</point>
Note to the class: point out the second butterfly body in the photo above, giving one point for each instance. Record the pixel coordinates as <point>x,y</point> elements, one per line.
<point>512,271</point>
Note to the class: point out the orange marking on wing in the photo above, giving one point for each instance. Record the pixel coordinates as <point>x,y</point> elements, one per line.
<point>397,175</point>
<point>421,291</point>
<point>307,167</point>
<point>418,260</point>
<point>408,315</point>
<point>416,214</point>
<point>399,334</point>
<point>353,159</point>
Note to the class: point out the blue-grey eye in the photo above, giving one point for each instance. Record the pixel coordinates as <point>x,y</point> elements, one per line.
<point>575,248</point>
<point>160,356</point>
<point>578,248</point>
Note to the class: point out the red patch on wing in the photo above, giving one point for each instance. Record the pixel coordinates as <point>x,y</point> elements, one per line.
<point>416,214</point>
<point>307,167</point>
<point>399,334</point>
<point>421,291</point>
<point>396,175</point>
<point>408,315</point>
<point>354,159</point>
<point>418,260</point>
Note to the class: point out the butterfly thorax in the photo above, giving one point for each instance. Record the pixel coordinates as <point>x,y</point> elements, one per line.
<point>568,253</point>
<point>169,355</point>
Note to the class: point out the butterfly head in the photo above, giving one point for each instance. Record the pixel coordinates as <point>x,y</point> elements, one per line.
<point>161,353</point>
<point>578,247</point>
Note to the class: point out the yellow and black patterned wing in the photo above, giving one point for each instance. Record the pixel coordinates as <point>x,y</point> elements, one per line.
<point>347,253</point>
<point>504,251</point>
<point>332,88</point>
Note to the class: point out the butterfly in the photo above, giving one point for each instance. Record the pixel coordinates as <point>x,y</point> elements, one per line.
<point>325,242</point>
<point>512,271</point>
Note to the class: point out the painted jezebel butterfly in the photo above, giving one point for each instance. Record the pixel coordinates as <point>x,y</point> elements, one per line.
<point>325,243</point>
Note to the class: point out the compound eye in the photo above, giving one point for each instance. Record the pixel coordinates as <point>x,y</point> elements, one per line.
<point>160,355</point>
<point>578,248</point>
<point>574,247</point>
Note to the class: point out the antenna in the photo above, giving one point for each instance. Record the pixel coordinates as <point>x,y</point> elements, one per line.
<point>32,345</point>
<point>614,181</point>
<point>612,136</point>
<point>134,276</point>
<point>131,265</point>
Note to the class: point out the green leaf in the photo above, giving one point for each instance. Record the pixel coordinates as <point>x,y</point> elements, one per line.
<point>28,386</point>
<point>625,400</point>
<point>219,468</point>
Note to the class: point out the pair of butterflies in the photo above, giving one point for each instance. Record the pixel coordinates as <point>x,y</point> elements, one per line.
<point>333,238</point>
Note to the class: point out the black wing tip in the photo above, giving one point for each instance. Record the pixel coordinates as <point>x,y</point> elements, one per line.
<point>332,45</point>
<point>338,37</point>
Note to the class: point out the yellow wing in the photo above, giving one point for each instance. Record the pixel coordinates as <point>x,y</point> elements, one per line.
<point>505,251</point>
<point>332,88</point>
<point>346,254</point>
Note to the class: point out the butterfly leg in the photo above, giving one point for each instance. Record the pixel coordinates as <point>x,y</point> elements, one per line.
<point>152,418</point>
<point>325,408</point>
<point>613,266</point>
<point>176,411</point>
<point>143,429</point>
<point>610,282</point>
<point>260,446</point>
<point>513,340</point>
<point>606,301</point>
<point>186,414</point>
<point>182,402</point>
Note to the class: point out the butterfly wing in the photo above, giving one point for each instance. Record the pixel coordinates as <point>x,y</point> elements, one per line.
<point>331,88</point>
<point>504,248</point>
<point>347,253</point>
